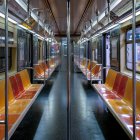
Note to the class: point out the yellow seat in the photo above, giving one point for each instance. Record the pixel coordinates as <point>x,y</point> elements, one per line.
<point>138,97</point>
<point>26,81</point>
<point>110,79</point>
<point>25,78</point>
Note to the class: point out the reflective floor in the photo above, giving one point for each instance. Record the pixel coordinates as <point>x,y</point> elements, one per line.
<point>90,119</point>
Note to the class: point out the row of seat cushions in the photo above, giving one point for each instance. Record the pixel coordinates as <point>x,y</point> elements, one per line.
<point>120,85</point>
<point>18,85</point>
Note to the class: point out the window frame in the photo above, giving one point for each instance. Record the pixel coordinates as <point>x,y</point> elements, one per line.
<point>117,36</point>
<point>10,60</point>
<point>129,42</point>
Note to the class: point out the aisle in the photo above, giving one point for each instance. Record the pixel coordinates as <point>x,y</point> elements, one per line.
<point>53,123</point>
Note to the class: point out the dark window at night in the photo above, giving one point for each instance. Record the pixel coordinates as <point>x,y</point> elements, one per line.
<point>2,49</point>
<point>115,49</point>
<point>23,49</point>
<point>2,59</point>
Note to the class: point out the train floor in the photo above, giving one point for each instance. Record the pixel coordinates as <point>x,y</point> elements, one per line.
<point>47,118</point>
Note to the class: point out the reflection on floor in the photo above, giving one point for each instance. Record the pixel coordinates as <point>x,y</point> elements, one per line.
<point>46,120</point>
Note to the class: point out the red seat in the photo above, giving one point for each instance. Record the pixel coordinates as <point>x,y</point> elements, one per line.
<point>118,89</point>
<point>18,91</point>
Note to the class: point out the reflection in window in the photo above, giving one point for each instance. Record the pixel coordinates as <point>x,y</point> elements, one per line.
<point>2,58</point>
<point>95,54</point>
<point>129,34</point>
<point>129,56</point>
<point>10,37</point>
<point>23,49</point>
<point>114,48</point>
<point>35,50</point>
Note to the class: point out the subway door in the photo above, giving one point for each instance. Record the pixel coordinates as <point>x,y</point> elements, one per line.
<point>100,49</point>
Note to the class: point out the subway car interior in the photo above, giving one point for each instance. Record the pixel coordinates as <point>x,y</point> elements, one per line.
<point>69,69</point>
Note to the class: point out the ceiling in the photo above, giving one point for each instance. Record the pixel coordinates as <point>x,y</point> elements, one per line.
<point>55,13</point>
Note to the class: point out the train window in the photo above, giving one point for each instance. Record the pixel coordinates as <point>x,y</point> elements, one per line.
<point>129,49</point>
<point>35,50</point>
<point>21,52</point>
<point>39,49</point>
<point>2,49</point>
<point>10,37</point>
<point>23,49</point>
<point>95,54</point>
<point>115,49</point>
<point>2,58</point>
<point>99,49</point>
<point>129,34</point>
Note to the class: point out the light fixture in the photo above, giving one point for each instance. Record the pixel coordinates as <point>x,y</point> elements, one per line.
<point>128,18</point>
<point>112,6</point>
<point>9,19</point>
<point>112,26</point>
<point>24,6</point>
<point>125,19</point>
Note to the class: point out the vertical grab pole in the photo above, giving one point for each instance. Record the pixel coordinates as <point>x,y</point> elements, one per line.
<point>44,59</point>
<point>134,68</point>
<point>6,69</point>
<point>48,58</point>
<point>68,73</point>
<point>86,61</point>
<point>79,55</point>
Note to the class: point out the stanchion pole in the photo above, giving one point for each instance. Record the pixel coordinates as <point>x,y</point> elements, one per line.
<point>79,55</point>
<point>134,67</point>
<point>44,59</point>
<point>68,74</point>
<point>6,70</point>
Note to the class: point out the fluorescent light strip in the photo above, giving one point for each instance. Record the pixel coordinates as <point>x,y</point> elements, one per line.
<point>112,26</point>
<point>129,17</point>
<point>9,19</point>
<point>126,19</point>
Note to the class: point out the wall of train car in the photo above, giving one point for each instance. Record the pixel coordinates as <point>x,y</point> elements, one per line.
<point>12,29</point>
<point>124,28</point>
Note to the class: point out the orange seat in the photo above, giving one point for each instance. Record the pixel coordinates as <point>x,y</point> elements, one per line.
<point>39,72</point>
<point>111,76</point>
<point>44,65</point>
<point>108,86</point>
<point>15,106</point>
<point>26,81</point>
<point>95,71</point>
